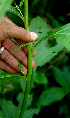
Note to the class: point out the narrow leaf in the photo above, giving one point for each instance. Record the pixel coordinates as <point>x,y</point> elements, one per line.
<point>21,68</point>
<point>14,11</point>
<point>20,47</point>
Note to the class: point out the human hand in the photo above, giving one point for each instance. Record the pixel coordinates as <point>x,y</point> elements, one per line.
<point>9,30</point>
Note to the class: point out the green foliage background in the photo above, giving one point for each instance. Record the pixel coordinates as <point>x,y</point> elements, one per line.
<point>50,93</point>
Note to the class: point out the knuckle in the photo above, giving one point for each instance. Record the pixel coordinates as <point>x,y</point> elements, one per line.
<point>4,55</point>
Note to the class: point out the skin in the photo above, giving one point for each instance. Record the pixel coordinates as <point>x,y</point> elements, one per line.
<point>9,30</point>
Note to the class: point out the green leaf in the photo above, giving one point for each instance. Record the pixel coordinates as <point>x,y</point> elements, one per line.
<point>4,5</point>
<point>33,76</point>
<point>62,36</point>
<point>22,81</point>
<point>38,26</point>
<point>51,95</point>
<point>4,76</point>
<point>8,76</point>
<point>67,76</point>
<point>14,11</point>
<point>1,114</point>
<point>8,109</point>
<point>20,67</point>
<point>21,3</point>
<point>41,78</point>
<point>30,112</point>
<point>63,78</point>
<point>34,3</point>
<point>45,54</point>
<point>29,102</point>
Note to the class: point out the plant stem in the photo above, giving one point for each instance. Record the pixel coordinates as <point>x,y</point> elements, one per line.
<point>29,62</point>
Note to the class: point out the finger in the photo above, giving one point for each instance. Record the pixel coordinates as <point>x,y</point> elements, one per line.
<point>4,66</point>
<point>6,19</point>
<point>11,61</point>
<point>8,30</point>
<point>19,54</point>
<point>20,42</point>
<point>0,45</point>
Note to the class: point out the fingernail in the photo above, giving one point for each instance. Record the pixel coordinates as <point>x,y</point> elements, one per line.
<point>34,36</point>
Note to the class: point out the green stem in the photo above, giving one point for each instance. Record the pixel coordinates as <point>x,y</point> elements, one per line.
<point>29,62</point>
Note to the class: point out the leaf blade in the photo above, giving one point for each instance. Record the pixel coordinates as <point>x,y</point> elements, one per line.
<point>4,5</point>
<point>62,36</point>
<point>62,77</point>
<point>14,11</point>
<point>4,76</point>
<point>45,54</point>
<point>51,95</point>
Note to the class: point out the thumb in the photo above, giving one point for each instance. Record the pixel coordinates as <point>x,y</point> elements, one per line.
<point>8,30</point>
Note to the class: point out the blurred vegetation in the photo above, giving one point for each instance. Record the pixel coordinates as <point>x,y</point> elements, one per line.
<point>53,10</point>
<point>55,13</point>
